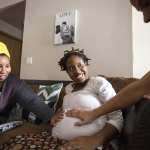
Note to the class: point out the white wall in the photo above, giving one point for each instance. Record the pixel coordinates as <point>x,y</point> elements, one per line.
<point>141,45</point>
<point>104,32</point>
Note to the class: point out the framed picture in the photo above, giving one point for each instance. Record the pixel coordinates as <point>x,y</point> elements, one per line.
<point>65,27</point>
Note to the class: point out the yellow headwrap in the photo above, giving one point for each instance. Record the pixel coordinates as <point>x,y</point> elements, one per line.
<point>4,49</point>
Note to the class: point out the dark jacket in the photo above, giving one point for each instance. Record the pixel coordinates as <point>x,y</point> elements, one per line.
<point>16,91</point>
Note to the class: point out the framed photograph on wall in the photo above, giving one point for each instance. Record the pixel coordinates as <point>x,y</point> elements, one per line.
<point>65,27</point>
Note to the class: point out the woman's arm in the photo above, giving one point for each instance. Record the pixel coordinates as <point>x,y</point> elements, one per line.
<point>59,113</point>
<point>126,97</point>
<point>31,102</point>
<point>60,100</point>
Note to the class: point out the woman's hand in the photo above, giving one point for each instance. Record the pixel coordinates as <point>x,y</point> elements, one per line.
<point>57,117</point>
<point>86,116</point>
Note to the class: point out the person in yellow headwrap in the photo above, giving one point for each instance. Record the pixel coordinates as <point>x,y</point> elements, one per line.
<point>13,90</point>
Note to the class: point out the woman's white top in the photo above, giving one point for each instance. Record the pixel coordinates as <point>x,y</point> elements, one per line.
<point>96,92</point>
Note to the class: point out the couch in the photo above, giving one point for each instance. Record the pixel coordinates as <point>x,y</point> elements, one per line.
<point>129,114</point>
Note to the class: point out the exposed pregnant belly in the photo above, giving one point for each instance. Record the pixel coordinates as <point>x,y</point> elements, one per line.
<point>66,129</point>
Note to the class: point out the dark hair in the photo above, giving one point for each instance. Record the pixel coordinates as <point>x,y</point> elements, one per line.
<point>140,4</point>
<point>68,53</point>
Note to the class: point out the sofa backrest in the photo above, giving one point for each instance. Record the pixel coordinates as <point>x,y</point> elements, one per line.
<point>119,83</point>
<point>34,84</point>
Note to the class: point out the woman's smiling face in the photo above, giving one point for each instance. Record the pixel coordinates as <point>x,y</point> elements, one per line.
<point>77,69</point>
<point>5,67</point>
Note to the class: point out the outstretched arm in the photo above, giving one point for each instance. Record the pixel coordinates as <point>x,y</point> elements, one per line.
<point>32,103</point>
<point>128,96</point>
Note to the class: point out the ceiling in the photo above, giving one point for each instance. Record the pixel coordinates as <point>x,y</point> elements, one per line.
<point>14,15</point>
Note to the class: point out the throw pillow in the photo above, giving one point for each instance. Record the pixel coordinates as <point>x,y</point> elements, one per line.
<point>50,96</point>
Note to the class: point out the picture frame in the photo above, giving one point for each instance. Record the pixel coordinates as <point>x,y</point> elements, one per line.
<point>65,27</point>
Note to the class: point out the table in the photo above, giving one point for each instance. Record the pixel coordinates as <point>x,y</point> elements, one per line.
<point>25,128</point>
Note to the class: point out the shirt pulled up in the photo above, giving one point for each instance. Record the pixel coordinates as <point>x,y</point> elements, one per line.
<point>96,92</point>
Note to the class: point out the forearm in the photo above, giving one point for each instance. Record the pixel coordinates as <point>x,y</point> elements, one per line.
<point>126,97</point>
<point>105,135</point>
<point>60,101</point>
<point>32,103</point>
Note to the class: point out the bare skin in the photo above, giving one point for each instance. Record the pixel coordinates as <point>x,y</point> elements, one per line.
<point>5,68</point>
<point>128,96</point>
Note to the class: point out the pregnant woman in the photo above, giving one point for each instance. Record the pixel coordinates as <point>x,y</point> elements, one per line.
<point>85,93</point>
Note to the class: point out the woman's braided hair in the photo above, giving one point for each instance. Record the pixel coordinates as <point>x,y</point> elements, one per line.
<point>68,53</point>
